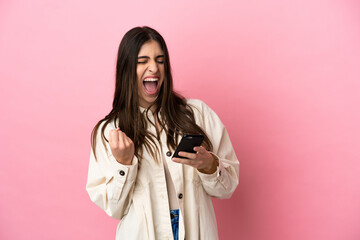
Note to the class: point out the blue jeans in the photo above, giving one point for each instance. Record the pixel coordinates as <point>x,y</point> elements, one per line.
<point>174,215</point>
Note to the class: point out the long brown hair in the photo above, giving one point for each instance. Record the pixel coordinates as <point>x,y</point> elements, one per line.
<point>174,115</point>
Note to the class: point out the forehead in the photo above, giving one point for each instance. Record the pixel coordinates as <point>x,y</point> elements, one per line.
<point>150,48</point>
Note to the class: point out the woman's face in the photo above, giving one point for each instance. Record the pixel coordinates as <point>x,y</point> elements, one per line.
<point>150,72</point>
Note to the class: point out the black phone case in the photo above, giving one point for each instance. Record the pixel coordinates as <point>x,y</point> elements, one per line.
<point>187,144</point>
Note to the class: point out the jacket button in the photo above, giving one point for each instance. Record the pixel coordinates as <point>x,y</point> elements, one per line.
<point>122,173</point>
<point>168,154</point>
<point>180,196</point>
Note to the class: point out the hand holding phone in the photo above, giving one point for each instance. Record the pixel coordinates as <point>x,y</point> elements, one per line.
<point>187,144</point>
<point>203,160</point>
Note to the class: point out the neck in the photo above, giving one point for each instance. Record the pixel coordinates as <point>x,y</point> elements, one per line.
<point>152,109</point>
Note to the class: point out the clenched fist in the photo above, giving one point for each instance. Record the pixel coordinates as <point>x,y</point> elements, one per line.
<point>121,146</point>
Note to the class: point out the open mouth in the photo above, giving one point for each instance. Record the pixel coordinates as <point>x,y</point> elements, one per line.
<point>151,85</point>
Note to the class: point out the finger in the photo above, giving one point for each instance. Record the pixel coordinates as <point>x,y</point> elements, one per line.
<point>122,137</point>
<point>187,155</point>
<point>128,140</point>
<point>113,131</point>
<point>113,138</point>
<point>111,134</point>
<point>183,161</point>
<point>199,149</point>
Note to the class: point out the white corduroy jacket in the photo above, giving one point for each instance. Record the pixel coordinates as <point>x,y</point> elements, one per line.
<point>137,194</point>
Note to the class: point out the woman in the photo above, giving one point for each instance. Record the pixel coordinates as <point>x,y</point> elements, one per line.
<point>132,175</point>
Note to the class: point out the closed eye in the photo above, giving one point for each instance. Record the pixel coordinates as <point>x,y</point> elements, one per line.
<point>160,59</point>
<point>142,59</point>
<point>145,59</point>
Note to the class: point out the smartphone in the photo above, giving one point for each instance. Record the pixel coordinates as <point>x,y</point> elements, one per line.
<point>187,144</point>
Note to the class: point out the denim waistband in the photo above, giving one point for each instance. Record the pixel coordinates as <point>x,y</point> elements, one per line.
<point>174,215</point>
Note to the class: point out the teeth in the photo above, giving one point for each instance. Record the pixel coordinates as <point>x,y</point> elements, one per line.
<point>151,79</point>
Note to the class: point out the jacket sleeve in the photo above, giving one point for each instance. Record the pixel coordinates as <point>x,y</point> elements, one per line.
<point>224,181</point>
<point>110,184</point>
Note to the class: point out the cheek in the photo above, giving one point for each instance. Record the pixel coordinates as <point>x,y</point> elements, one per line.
<point>162,70</point>
<point>139,73</point>
<point>138,80</point>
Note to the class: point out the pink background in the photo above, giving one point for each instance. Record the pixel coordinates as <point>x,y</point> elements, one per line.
<point>284,76</point>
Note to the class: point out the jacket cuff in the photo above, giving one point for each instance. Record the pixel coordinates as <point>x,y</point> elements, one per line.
<point>123,172</point>
<point>217,175</point>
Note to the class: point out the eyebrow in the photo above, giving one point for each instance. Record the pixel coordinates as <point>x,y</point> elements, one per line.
<point>159,56</point>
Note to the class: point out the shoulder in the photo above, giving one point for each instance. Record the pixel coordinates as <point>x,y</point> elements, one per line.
<point>107,124</point>
<point>196,103</point>
<point>105,127</point>
<point>202,112</point>
<point>198,106</point>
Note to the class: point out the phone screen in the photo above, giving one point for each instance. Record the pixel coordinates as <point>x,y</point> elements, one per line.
<point>187,144</point>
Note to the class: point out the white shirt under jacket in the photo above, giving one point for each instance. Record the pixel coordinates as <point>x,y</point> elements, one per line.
<point>137,194</point>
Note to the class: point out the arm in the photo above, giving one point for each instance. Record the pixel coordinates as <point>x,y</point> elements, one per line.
<point>223,182</point>
<point>110,184</point>
<point>218,170</point>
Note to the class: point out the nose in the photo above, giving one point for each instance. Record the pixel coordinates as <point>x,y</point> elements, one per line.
<point>153,67</point>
